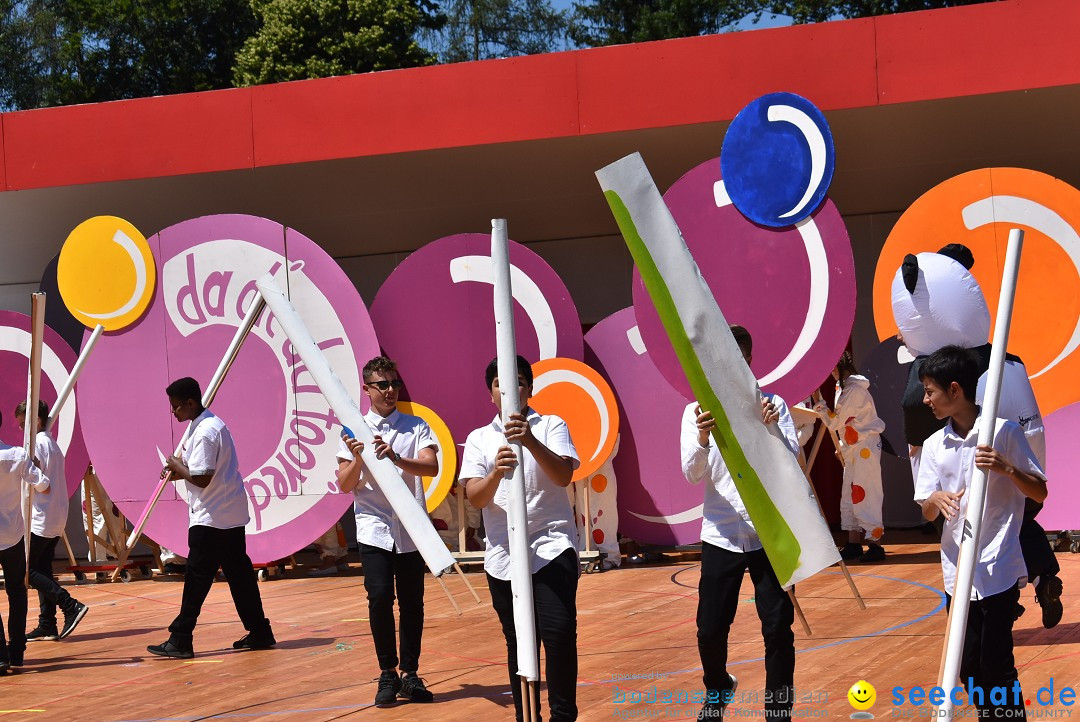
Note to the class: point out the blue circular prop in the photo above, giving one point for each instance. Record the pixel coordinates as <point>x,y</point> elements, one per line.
<point>778,159</point>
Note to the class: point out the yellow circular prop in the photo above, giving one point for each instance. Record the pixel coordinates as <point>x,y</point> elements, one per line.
<point>436,487</point>
<point>106,273</point>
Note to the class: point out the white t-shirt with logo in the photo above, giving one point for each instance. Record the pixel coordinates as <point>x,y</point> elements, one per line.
<point>50,510</point>
<point>551,525</point>
<point>209,449</point>
<point>376,523</point>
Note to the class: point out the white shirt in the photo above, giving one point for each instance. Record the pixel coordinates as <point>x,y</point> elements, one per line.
<point>15,470</point>
<point>376,523</point>
<point>725,523</point>
<point>50,510</point>
<point>551,525</point>
<point>947,465</point>
<point>223,504</point>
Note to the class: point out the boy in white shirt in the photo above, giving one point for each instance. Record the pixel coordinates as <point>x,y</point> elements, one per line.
<point>15,471</point>
<point>950,377</point>
<point>548,460</point>
<point>47,524</point>
<point>386,551</point>
<point>217,515</point>
<point>729,546</point>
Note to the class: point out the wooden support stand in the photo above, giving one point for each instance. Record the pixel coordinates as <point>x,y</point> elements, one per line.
<point>112,543</point>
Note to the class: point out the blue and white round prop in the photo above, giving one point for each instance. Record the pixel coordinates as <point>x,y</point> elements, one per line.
<point>778,159</point>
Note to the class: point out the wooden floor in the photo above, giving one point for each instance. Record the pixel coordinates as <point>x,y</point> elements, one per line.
<point>636,631</point>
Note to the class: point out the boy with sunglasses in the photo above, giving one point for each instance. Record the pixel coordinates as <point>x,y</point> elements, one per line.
<point>386,551</point>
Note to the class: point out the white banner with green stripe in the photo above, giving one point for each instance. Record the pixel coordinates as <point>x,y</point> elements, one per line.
<point>771,483</point>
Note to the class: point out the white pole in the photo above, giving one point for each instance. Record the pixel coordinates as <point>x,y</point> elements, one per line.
<point>76,370</point>
<point>412,516</point>
<point>33,394</point>
<point>969,545</point>
<point>516,518</point>
<point>242,331</point>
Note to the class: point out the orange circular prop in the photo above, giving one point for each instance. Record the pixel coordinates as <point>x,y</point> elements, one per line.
<point>978,209</point>
<point>580,396</point>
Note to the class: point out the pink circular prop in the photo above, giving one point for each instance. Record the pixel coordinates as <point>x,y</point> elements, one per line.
<point>1062,510</point>
<point>792,288</point>
<point>286,435</point>
<point>434,315</point>
<point>56,363</point>
<point>656,503</point>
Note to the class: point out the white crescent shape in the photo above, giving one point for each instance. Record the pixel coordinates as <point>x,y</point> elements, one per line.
<point>679,518</point>
<point>122,239</point>
<point>560,376</point>
<point>1024,211</point>
<point>819,289</point>
<point>525,292</point>
<point>814,139</point>
<point>15,340</point>
<point>633,335</point>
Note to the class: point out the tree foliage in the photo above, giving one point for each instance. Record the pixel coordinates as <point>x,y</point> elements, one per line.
<point>482,29</point>
<point>300,39</point>
<point>815,11</point>
<point>58,52</point>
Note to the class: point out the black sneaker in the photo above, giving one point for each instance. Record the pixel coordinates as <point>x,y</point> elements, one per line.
<point>72,617</point>
<point>389,684</point>
<point>874,553</point>
<point>413,689</point>
<point>174,568</point>
<point>850,551</point>
<point>43,634</point>
<point>172,649</point>
<point>715,710</point>
<point>1048,595</point>
<point>255,641</point>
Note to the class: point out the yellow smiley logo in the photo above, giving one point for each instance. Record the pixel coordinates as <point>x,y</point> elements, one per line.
<point>862,695</point>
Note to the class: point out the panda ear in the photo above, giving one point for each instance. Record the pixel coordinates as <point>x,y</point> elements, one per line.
<point>910,271</point>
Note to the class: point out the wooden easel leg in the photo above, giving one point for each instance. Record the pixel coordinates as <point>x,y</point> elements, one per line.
<point>462,523</point>
<point>851,583</point>
<point>799,613</point>
<point>449,595</point>
<point>457,568</point>
<point>67,547</point>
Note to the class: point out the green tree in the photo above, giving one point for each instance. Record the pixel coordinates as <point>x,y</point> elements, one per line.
<point>58,52</point>
<point>611,22</point>
<point>300,39</point>
<point>815,11</point>
<point>482,29</point>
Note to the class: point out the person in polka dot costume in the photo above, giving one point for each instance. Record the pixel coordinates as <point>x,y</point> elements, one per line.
<point>857,426</point>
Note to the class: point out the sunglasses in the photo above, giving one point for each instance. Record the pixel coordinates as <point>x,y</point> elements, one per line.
<point>386,385</point>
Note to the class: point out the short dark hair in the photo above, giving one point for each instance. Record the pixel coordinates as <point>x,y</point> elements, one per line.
<point>953,363</point>
<point>42,410</point>
<point>184,389</point>
<point>524,368</point>
<point>378,365</point>
<point>846,365</point>
<point>743,338</point>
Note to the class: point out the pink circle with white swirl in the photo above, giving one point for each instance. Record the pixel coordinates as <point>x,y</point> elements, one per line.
<point>285,433</point>
<point>792,288</point>
<point>56,364</point>
<point>435,317</point>
<point>656,504</point>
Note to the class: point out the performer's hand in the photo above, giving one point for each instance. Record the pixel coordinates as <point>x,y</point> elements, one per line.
<point>176,466</point>
<point>518,430</point>
<point>355,445</point>
<point>987,459</point>
<point>947,502</point>
<point>505,461</point>
<point>769,413</point>
<point>382,449</point>
<point>705,425</point>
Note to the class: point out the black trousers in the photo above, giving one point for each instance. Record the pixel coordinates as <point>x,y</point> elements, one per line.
<point>13,562</point>
<point>718,600</point>
<point>50,594</point>
<point>987,659</point>
<point>210,549</point>
<point>555,607</point>
<point>1038,554</point>
<point>382,569</point>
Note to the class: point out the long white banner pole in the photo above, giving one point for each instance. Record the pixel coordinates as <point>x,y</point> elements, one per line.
<point>969,545</point>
